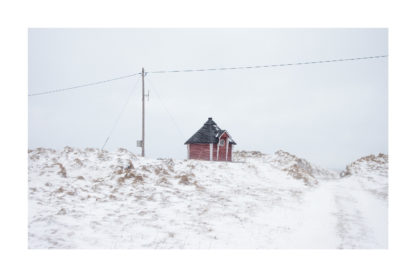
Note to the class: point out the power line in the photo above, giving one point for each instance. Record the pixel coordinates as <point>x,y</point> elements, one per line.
<point>120,114</point>
<point>265,66</point>
<point>208,69</point>
<point>85,85</point>
<point>166,109</point>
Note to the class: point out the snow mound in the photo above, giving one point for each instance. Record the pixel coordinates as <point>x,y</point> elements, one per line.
<point>367,164</point>
<point>372,172</point>
<point>88,198</point>
<point>294,166</point>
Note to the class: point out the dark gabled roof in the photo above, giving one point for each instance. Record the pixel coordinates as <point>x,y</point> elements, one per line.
<point>209,133</point>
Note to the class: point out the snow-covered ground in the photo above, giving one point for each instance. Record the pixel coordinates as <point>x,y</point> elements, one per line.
<point>87,198</point>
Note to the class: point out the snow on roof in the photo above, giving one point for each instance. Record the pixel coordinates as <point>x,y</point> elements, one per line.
<point>209,133</point>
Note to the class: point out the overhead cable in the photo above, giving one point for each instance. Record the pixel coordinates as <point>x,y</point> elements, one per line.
<point>207,69</point>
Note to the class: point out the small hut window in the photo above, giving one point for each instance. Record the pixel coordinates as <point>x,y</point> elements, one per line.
<point>221,142</point>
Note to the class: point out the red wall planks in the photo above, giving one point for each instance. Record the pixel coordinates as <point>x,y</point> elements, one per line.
<point>199,151</point>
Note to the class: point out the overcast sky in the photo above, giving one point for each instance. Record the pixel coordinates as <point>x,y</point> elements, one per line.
<point>330,114</point>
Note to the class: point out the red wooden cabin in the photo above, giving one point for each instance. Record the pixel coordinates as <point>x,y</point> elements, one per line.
<point>210,143</point>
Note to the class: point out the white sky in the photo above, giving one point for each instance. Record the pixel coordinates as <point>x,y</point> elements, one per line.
<point>330,114</point>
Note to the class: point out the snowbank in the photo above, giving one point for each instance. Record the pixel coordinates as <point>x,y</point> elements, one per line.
<point>87,198</point>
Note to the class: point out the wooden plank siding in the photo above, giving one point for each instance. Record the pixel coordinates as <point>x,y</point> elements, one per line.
<point>201,151</point>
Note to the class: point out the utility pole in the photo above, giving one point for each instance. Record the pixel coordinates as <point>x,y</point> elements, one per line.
<point>142,111</point>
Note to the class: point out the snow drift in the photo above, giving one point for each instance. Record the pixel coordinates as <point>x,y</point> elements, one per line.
<point>87,198</point>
